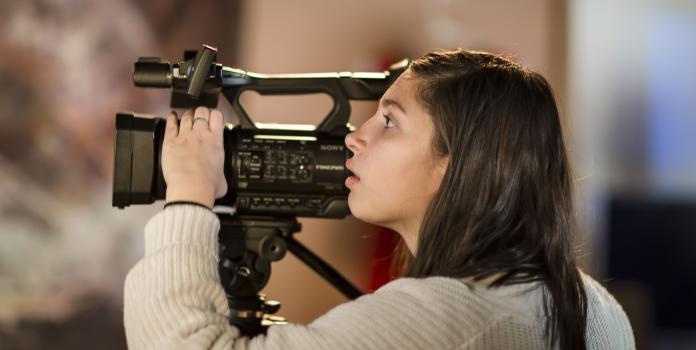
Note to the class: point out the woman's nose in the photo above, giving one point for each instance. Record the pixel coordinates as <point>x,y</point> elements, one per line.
<point>354,143</point>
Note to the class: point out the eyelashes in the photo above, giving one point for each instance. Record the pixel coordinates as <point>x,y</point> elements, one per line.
<point>388,123</point>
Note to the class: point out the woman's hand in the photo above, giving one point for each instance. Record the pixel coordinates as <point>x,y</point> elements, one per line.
<point>193,157</point>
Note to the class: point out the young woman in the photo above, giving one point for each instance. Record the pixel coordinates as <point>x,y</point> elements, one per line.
<point>466,161</point>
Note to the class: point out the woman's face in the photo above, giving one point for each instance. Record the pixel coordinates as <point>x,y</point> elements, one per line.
<point>396,172</point>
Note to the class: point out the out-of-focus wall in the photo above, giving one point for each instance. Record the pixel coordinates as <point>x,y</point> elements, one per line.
<point>309,36</point>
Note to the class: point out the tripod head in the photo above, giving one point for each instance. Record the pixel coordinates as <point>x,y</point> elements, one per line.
<point>248,245</point>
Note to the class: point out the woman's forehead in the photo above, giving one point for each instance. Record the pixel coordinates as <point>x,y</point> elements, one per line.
<point>403,91</point>
<point>404,83</point>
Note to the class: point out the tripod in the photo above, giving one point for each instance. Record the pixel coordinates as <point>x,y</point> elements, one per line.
<point>248,245</point>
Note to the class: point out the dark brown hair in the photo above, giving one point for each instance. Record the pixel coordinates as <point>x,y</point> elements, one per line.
<point>505,204</point>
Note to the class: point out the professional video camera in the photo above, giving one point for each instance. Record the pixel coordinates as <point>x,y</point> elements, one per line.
<point>274,172</point>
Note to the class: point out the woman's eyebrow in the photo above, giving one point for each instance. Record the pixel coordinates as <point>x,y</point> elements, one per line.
<point>386,102</point>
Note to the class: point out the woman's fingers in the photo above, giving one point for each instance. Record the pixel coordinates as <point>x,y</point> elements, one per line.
<point>217,122</point>
<point>186,122</point>
<point>172,127</point>
<point>201,119</point>
<point>194,167</point>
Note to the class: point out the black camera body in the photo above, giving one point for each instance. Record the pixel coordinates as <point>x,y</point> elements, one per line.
<point>271,169</point>
<point>268,172</point>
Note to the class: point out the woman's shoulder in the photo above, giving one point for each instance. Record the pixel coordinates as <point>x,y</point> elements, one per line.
<point>517,305</point>
<point>600,302</point>
<point>423,313</point>
<point>525,299</point>
<point>469,312</point>
<point>466,297</point>
<point>428,288</point>
<point>597,291</point>
<point>605,316</point>
<point>449,292</point>
<point>431,312</point>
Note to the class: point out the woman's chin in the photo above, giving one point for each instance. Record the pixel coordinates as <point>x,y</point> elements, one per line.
<point>356,209</point>
<point>361,212</point>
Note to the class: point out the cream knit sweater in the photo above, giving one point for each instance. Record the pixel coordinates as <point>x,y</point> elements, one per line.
<point>174,300</point>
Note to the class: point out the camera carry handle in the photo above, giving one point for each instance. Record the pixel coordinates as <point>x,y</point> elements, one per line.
<point>199,80</point>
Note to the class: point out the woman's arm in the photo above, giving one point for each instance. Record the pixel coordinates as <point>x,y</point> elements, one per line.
<point>174,300</point>
<point>173,297</point>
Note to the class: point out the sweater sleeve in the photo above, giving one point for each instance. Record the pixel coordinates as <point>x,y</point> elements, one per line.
<point>174,300</point>
<point>173,297</point>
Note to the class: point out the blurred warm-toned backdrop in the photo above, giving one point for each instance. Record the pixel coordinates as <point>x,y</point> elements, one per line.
<point>623,72</point>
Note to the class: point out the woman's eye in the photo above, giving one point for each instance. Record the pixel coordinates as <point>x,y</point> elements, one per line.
<point>388,122</point>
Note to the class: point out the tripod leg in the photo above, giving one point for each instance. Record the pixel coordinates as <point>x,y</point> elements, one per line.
<point>323,269</point>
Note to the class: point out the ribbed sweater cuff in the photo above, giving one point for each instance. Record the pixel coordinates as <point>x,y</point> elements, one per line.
<point>182,224</point>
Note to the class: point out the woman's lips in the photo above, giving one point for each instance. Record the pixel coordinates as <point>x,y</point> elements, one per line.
<point>351,181</point>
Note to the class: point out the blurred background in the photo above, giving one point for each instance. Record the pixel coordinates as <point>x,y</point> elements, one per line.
<point>623,72</point>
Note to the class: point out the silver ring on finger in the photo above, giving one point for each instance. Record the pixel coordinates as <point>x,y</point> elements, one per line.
<point>200,118</point>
